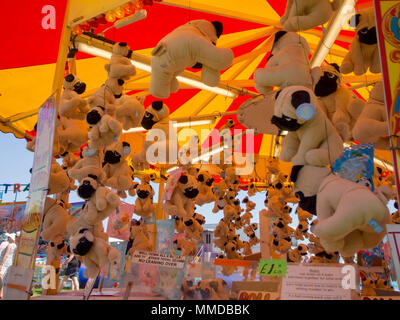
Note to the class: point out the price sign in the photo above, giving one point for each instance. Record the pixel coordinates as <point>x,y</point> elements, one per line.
<point>272,268</point>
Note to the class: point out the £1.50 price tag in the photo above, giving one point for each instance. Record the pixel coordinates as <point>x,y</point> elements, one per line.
<point>272,268</point>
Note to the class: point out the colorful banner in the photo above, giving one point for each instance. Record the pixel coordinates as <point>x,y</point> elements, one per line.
<point>30,232</point>
<point>388,28</point>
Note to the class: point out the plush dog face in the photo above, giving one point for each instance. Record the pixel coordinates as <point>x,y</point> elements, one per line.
<point>94,115</point>
<point>302,249</point>
<point>156,112</point>
<point>122,49</point>
<point>117,152</point>
<point>205,177</point>
<point>230,247</point>
<point>188,186</point>
<point>144,190</point>
<point>289,102</point>
<point>200,218</point>
<point>328,83</point>
<point>81,242</point>
<point>73,83</point>
<point>88,187</point>
<point>303,226</point>
<point>365,28</point>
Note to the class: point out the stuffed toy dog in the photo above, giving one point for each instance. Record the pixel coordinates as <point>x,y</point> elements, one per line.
<point>350,216</point>
<point>190,45</point>
<point>364,52</point>
<point>107,95</point>
<point>71,104</point>
<point>129,112</point>
<point>301,231</point>
<point>231,251</point>
<point>216,289</point>
<point>120,66</point>
<point>336,102</point>
<point>295,255</point>
<point>104,129</point>
<point>205,188</point>
<point>156,119</point>
<point>193,229</point>
<point>55,220</point>
<point>312,139</point>
<point>95,252</point>
<point>101,202</point>
<point>372,126</point>
<point>118,173</point>
<point>288,64</point>
<point>90,163</point>
<point>140,239</point>
<point>59,180</point>
<point>306,14</point>
<point>72,134</point>
<point>144,206</point>
<point>181,203</point>
<point>186,247</point>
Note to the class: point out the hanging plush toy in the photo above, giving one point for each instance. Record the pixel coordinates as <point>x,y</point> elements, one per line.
<point>71,104</point>
<point>181,203</point>
<point>296,255</point>
<point>156,119</point>
<point>116,168</point>
<point>144,206</point>
<point>104,129</point>
<point>336,102</point>
<point>311,139</point>
<point>187,247</point>
<point>107,95</point>
<point>372,126</point>
<point>72,134</point>
<point>95,252</point>
<point>193,229</point>
<point>364,52</point>
<point>120,66</point>
<point>307,14</point>
<point>101,201</point>
<point>55,220</point>
<point>129,112</point>
<point>90,163</point>
<point>205,188</point>
<point>139,237</point>
<point>350,216</point>
<point>287,66</point>
<point>190,45</point>
<point>59,180</point>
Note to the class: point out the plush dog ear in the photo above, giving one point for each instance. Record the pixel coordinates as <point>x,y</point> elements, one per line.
<point>126,148</point>
<point>219,27</point>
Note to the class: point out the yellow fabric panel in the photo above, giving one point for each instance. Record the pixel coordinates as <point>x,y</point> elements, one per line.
<point>259,11</point>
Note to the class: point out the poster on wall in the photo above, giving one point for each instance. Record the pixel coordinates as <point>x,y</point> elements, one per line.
<point>119,222</point>
<point>387,15</point>
<point>11,215</point>
<point>31,224</point>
